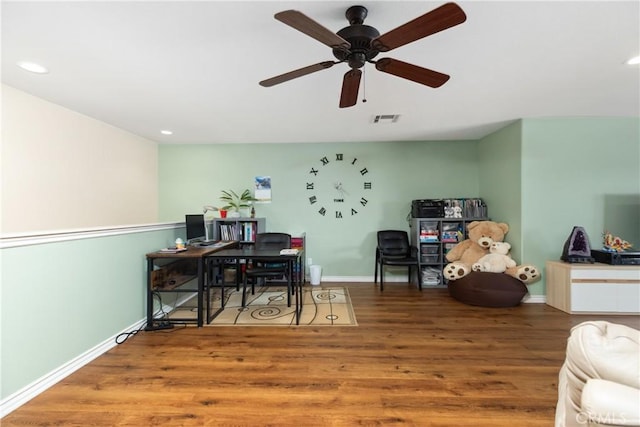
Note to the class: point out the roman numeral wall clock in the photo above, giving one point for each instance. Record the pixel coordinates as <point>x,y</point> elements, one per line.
<point>338,187</point>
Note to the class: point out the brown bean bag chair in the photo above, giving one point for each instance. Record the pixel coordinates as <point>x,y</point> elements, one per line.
<point>488,289</point>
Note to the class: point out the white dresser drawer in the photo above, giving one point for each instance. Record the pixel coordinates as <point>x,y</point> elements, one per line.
<point>593,288</point>
<point>611,273</point>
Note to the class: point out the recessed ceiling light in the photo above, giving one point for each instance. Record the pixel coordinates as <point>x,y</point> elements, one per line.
<point>166,132</point>
<point>33,67</point>
<point>634,61</point>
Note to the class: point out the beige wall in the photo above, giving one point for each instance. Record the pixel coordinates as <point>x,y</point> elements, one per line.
<point>64,170</point>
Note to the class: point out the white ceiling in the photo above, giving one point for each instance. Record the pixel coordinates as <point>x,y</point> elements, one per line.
<point>194,67</point>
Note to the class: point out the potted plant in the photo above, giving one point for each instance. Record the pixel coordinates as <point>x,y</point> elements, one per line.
<point>234,202</point>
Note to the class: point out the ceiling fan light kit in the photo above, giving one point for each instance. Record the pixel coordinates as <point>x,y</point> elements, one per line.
<point>358,44</point>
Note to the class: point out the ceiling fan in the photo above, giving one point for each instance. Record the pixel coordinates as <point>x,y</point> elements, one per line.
<point>358,44</point>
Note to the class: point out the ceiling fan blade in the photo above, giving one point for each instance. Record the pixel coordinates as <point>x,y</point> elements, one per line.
<point>303,23</point>
<point>446,16</point>
<point>350,86</point>
<point>411,72</point>
<point>297,73</point>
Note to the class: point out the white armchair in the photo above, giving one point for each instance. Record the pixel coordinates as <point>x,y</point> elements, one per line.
<point>599,382</point>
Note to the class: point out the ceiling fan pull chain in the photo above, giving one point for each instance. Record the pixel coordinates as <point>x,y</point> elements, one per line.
<point>364,84</point>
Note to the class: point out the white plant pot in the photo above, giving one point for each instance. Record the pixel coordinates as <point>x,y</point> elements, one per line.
<point>233,214</point>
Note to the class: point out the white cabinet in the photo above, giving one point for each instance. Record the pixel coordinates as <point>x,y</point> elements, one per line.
<point>593,288</point>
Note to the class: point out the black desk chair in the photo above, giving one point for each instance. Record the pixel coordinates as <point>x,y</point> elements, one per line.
<point>394,249</point>
<point>267,269</point>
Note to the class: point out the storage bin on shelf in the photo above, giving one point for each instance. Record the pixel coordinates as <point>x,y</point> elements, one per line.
<point>429,249</point>
<point>430,259</point>
<point>431,276</point>
<point>451,231</point>
<point>429,231</point>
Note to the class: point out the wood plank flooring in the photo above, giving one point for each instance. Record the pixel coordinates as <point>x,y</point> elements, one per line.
<point>416,359</point>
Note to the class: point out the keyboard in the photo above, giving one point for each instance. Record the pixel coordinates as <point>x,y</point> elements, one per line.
<point>213,242</point>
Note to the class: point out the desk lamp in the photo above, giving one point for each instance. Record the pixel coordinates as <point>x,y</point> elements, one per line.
<point>206,209</point>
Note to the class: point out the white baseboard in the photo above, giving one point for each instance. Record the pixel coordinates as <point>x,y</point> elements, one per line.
<point>535,299</point>
<point>22,396</point>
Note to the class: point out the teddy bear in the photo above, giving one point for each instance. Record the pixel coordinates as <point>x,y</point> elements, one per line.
<point>466,253</point>
<point>497,260</point>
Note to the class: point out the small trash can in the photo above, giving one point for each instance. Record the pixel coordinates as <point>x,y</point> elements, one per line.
<point>315,271</point>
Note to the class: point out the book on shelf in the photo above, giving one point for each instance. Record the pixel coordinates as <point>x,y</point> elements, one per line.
<point>229,232</point>
<point>450,236</point>
<point>249,231</point>
<point>244,231</point>
<point>297,242</point>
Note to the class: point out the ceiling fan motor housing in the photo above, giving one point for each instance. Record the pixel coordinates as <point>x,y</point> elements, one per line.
<point>359,36</point>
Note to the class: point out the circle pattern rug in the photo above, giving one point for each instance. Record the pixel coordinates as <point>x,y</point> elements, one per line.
<point>322,306</point>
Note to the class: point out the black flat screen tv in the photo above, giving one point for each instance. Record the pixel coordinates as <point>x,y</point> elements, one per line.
<point>195,227</point>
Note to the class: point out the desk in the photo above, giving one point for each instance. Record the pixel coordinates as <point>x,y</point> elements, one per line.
<point>251,253</point>
<point>193,253</point>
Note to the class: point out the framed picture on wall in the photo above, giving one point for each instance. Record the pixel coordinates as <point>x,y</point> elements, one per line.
<point>262,191</point>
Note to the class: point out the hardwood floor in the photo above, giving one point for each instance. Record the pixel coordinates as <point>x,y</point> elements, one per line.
<point>416,359</point>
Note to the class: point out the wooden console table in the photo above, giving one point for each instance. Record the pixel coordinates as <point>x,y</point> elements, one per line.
<point>593,288</point>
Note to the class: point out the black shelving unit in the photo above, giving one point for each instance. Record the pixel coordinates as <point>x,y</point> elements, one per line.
<point>434,237</point>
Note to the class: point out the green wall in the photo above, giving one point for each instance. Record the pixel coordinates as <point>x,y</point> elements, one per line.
<point>61,299</point>
<point>544,176</point>
<point>194,175</point>
<point>500,181</point>
<point>578,171</point>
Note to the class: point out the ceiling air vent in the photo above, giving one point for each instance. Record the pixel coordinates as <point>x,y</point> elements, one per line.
<point>386,118</point>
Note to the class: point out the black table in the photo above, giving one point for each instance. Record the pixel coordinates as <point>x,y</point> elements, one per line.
<point>268,255</point>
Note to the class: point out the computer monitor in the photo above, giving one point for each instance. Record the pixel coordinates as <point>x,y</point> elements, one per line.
<point>195,227</point>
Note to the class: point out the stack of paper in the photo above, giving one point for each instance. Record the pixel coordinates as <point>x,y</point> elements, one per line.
<point>289,252</point>
<point>172,250</point>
